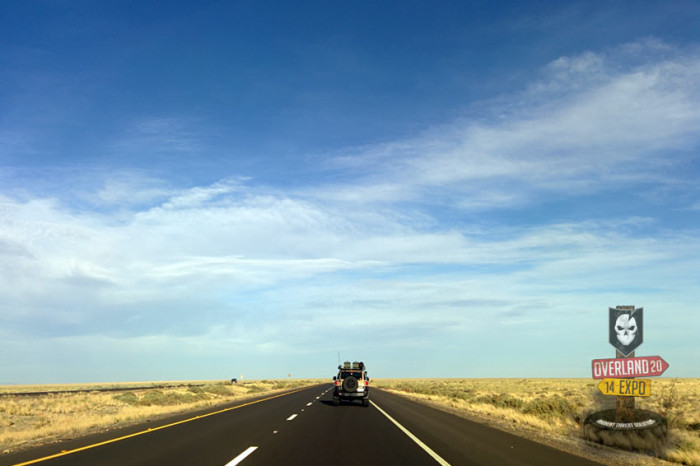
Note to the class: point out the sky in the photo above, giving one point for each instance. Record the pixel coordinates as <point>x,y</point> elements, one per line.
<point>216,189</point>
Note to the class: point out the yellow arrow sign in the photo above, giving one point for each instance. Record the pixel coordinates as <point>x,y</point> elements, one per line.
<point>625,387</point>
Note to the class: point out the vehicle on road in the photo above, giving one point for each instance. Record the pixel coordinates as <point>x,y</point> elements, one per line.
<point>351,383</point>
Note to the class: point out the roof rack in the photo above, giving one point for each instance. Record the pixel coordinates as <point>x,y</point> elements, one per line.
<point>356,365</point>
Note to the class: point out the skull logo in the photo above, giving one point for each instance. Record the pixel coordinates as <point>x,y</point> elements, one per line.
<point>626,329</point>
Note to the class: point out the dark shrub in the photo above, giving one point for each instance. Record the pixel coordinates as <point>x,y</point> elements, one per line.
<point>129,398</point>
<point>553,407</point>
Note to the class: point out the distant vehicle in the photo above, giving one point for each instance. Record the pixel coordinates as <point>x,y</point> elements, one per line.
<point>234,380</point>
<point>351,383</point>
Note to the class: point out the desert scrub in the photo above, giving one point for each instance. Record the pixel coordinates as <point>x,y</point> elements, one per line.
<point>255,388</point>
<point>217,389</point>
<point>501,400</point>
<point>558,406</point>
<point>552,407</point>
<point>26,421</point>
<point>129,398</point>
<point>686,448</point>
<point>159,398</point>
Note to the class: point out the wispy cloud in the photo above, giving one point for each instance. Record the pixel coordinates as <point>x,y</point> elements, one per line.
<point>152,135</point>
<point>591,121</point>
<point>127,189</point>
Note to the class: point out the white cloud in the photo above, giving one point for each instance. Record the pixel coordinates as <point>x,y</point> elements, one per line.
<point>229,246</point>
<point>592,120</point>
<point>236,274</point>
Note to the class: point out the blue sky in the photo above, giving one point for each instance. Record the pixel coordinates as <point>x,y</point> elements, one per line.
<point>458,189</point>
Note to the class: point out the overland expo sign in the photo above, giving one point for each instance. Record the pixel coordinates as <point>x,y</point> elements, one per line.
<point>644,366</point>
<point>626,329</point>
<point>625,387</point>
<point>618,377</point>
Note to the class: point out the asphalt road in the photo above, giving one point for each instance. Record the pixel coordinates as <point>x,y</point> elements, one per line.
<point>303,428</point>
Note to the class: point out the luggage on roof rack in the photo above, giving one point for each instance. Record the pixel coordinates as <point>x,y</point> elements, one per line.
<point>355,366</point>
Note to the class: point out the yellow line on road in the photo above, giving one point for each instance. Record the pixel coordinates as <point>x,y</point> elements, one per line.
<point>149,430</point>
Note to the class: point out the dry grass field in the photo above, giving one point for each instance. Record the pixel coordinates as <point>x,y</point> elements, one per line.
<point>547,410</point>
<point>551,410</point>
<point>27,421</point>
<point>9,389</point>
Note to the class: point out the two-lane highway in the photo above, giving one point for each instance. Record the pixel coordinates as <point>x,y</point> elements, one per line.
<point>303,427</point>
<point>323,434</point>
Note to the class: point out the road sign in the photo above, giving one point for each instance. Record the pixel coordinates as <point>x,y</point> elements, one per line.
<point>645,366</point>
<point>626,329</point>
<point>625,387</point>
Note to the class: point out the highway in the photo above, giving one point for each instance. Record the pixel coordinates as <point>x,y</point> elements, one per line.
<point>304,428</point>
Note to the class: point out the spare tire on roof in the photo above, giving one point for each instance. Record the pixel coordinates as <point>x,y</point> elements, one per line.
<point>350,384</point>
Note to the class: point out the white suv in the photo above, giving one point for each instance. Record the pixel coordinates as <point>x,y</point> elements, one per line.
<point>351,383</point>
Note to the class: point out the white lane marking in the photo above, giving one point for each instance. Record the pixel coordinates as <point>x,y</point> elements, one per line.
<point>291,418</point>
<point>309,404</point>
<point>241,457</point>
<point>425,447</point>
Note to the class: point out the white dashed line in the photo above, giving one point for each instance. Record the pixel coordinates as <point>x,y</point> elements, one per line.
<point>291,418</point>
<point>241,457</point>
<point>309,404</point>
<point>425,447</point>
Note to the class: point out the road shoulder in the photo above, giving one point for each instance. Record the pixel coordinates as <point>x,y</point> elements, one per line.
<point>570,444</point>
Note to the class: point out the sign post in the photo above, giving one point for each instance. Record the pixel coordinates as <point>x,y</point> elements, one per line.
<point>621,377</point>
<point>626,330</point>
<point>625,387</point>
<point>626,334</point>
<point>643,366</point>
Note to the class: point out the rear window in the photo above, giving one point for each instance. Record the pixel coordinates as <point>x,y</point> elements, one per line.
<point>344,375</point>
